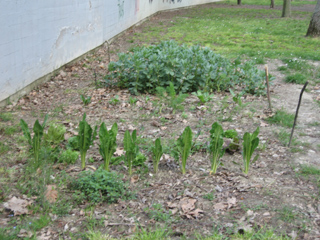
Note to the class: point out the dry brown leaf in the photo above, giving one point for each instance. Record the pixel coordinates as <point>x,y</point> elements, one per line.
<point>187,204</point>
<point>25,234</point>
<point>231,202</point>
<point>196,213</point>
<point>18,206</point>
<point>51,193</point>
<point>264,124</point>
<point>119,152</point>
<point>220,206</point>
<point>134,179</point>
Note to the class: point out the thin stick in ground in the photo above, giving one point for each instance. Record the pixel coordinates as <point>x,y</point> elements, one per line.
<point>297,111</point>
<point>268,88</point>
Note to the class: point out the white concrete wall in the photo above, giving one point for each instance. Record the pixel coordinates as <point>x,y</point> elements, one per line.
<point>39,36</point>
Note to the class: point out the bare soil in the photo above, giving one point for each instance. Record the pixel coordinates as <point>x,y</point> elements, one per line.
<point>240,202</point>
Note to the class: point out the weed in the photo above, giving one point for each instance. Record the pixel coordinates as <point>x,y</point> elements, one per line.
<point>4,148</point>
<point>68,156</point>
<point>297,78</point>
<point>282,118</point>
<point>157,153</point>
<point>6,117</point>
<point>309,170</point>
<point>55,134</point>
<point>159,233</point>
<point>209,196</point>
<point>86,100</point>
<point>203,96</point>
<point>132,100</point>
<point>287,214</point>
<point>131,148</point>
<point>101,186</point>
<point>115,100</point>
<point>158,213</point>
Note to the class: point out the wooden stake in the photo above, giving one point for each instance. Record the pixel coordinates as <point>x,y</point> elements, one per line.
<point>268,88</point>
<point>297,111</point>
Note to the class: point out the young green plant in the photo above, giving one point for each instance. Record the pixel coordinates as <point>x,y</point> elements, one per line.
<point>250,143</point>
<point>108,143</point>
<point>184,144</point>
<point>131,148</point>
<point>216,143</point>
<point>85,139</point>
<point>157,153</point>
<point>85,100</point>
<point>203,96</point>
<point>38,133</point>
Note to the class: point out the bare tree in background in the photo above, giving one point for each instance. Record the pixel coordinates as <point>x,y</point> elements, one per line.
<point>286,9</point>
<point>239,2</point>
<point>272,4</point>
<point>314,26</point>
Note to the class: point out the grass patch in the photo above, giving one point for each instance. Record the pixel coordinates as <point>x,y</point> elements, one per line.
<point>5,117</point>
<point>267,2</point>
<point>257,33</point>
<point>297,78</point>
<point>309,170</point>
<point>282,118</point>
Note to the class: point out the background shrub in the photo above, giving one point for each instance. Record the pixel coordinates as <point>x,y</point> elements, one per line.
<point>188,68</point>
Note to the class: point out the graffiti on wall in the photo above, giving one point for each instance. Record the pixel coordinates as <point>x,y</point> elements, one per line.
<point>171,1</point>
<point>121,8</point>
<point>137,6</point>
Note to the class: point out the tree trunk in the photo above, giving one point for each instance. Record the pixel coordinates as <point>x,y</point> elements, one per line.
<point>239,2</point>
<point>286,9</point>
<point>314,26</point>
<point>272,4</point>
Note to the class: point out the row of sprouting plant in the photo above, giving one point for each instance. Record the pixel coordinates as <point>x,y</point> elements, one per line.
<point>108,144</point>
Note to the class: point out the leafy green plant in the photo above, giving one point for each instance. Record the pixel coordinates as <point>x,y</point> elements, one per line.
<point>216,143</point>
<point>250,143</point>
<point>86,100</point>
<point>188,68</point>
<point>131,148</point>
<point>203,96</point>
<point>73,143</point>
<point>100,186</point>
<point>114,100</point>
<point>55,134</point>
<point>236,97</point>
<point>108,143</point>
<point>36,140</point>
<point>68,156</point>
<point>184,144</point>
<point>132,100</point>
<point>85,139</point>
<point>157,153</point>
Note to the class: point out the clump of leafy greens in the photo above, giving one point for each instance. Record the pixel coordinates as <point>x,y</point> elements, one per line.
<point>108,143</point>
<point>250,143</point>
<point>184,144</point>
<point>131,148</point>
<point>85,139</point>
<point>188,68</point>
<point>216,143</point>
<point>34,142</point>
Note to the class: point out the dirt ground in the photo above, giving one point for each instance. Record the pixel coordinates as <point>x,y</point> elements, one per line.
<point>273,194</point>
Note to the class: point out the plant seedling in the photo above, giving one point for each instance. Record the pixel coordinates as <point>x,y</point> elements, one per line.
<point>85,139</point>
<point>131,148</point>
<point>203,96</point>
<point>108,144</point>
<point>85,100</point>
<point>216,143</point>
<point>114,100</point>
<point>38,133</point>
<point>184,144</point>
<point>55,134</point>
<point>250,143</point>
<point>236,97</point>
<point>157,153</point>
